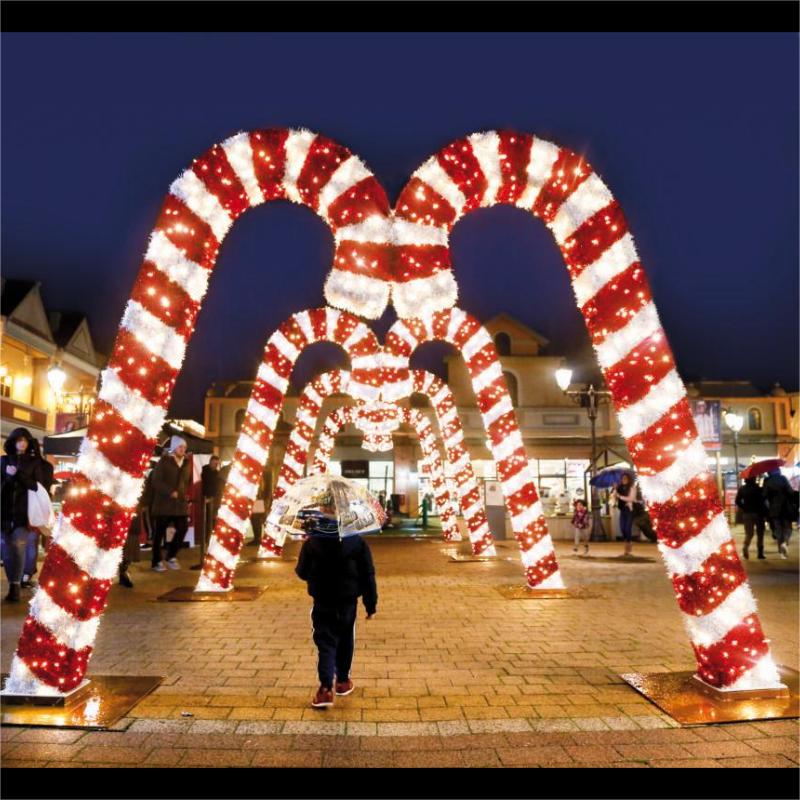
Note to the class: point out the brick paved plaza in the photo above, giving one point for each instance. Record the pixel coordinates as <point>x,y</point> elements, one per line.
<point>449,673</point>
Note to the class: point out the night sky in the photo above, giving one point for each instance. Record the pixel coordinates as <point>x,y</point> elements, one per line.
<point>695,134</point>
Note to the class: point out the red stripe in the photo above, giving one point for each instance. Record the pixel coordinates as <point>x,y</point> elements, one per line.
<point>657,447</point>
<point>268,543</point>
<point>228,537</point>
<point>366,199</point>
<point>323,159</point>
<point>416,261</point>
<point>482,360</point>
<point>239,504</point>
<point>439,325</point>
<point>420,202</point>
<point>319,324</point>
<point>258,431</point>
<point>689,511</point>
<point>466,330</point>
<point>511,465</point>
<point>269,160</point>
<point>217,571</point>
<point>542,569</point>
<point>70,587</point>
<point>96,515</point>
<point>568,172</point>
<point>630,379</point>
<point>515,153</point>
<point>364,258</point>
<point>219,177</point>
<point>165,300</point>
<point>738,651</point>
<point>343,329</point>
<point>522,499</point>
<point>397,345</point>
<point>459,161</point>
<point>704,590</point>
<point>266,395</point>
<point>492,394</point>
<point>366,346</point>
<point>124,445</point>
<point>610,309</point>
<point>188,232</point>
<point>140,370</point>
<point>294,333</point>
<point>593,238</point>
<point>250,467</point>
<point>278,361</point>
<point>50,661</point>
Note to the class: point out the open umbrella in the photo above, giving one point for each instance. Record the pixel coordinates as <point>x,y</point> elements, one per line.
<point>760,467</point>
<point>610,476</point>
<point>327,505</point>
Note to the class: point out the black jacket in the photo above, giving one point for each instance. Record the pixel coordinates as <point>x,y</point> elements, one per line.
<point>750,498</point>
<point>212,482</point>
<point>167,477</point>
<point>338,570</point>
<point>31,469</point>
<point>778,494</point>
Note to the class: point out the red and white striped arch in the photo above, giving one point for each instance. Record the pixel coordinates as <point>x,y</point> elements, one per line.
<point>263,410</point>
<point>441,398</point>
<point>432,460</point>
<point>559,187</point>
<point>494,403</point>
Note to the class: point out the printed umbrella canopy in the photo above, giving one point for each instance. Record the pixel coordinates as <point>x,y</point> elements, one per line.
<point>610,476</point>
<point>327,505</point>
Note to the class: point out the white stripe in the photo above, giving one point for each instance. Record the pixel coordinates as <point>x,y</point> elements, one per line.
<point>205,584</point>
<point>374,229</point>
<point>193,192</point>
<point>246,487</point>
<point>617,345</point>
<point>692,554</point>
<point>298,143</point>
<point>502,406</point>
<point>332,317</point>
<point>170,260</point>
<point>22,681</point>
<point>361,294</point>
<point>293,464</point>
<point>97,562</point>
<point>516,482</point>
<point>312,395</point>
<point>349,173</point>
<point>368,362</point>
<point>222,554</point>
<point>764,675</point>
<point>486,148</point>
<point>454,439</point>
<point>326,383</point>
<point>457,319</point>
<point>431,172</point>
<point>130,404</point>
<point>542,549</point>
<point>591,196</point>
<point>476,342</point>
<point>487,376</point>
<point>119,485</point>
<point>233,520</point>
<point>249,446</point>
<point>156,336</point>
<point>511,443</point>
<point>412,233</point>
<point>611,263</point>
<point>705,630</point>
<point>639,416</point>
<point>240,156</point>
<point>402,331</point>
<point>689,463</point>
<point>70,632</point>
<point>266,374</point>
<point>554,581</point>
<point>262,413</point>
<point>526,517</point>
<point>286,348</point>
<point>390,360</point>
<point>442,394</point>
<point>304,321</point>
<point>397,390</point>
<point>462,463</point>
<point>473,510</point>
<point>540,165</point>
<point>308,419</point>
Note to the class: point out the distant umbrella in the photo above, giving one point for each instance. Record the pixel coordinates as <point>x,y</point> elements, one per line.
<point>760,467</point>
<point>610,476</point>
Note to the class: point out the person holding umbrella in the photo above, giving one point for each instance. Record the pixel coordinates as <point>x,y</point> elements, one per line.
<point>338,570</point>
<point>625,492</point>
<point>779,497</point>
<point>750,499</point>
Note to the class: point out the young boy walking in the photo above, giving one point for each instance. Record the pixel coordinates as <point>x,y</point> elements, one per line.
<point>338,572</point>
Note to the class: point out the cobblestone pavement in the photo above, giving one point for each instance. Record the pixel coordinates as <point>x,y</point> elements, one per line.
<point>449,673</point>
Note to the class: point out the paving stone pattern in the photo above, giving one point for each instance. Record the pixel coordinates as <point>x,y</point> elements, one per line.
<point>449,673</point>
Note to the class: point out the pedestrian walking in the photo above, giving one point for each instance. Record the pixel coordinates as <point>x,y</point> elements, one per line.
<point>338,572</point>
<point>581,522</point>
<point>625,492</point>
<point>750,500</point>
<point>779,497</point>
<point>22,468</point>
<point>259,514</point>
<point>171,479</point>
<point>211,479</point>
<point>36,534</point>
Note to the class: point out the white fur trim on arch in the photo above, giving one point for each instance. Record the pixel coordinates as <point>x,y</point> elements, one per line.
<point>239,152</point>
<point>360,294</point>
<point>421,297</point>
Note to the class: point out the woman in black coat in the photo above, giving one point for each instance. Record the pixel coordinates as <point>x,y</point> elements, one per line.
<point>21,469</point>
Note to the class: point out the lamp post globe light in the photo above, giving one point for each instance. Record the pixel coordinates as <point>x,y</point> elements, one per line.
<point>735,422</point>
<point>591,397</point>
<point>56,377</point>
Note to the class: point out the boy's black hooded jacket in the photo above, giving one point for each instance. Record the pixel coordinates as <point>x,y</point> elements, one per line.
<point>338,570</point>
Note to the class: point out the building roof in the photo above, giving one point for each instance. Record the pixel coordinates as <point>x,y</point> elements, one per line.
<point>500,319</point>
<point>12,293</point>
<point>64,325</point>
<point>728,389</point>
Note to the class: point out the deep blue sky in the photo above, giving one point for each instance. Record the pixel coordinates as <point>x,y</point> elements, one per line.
<point>696,135</point>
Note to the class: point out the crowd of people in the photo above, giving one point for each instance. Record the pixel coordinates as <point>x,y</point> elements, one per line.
<point>774,502</point>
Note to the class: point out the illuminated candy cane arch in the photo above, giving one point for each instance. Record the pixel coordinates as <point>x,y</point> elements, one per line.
<point>344,415</point>
<point>245,170</point>
<point>261,417</point>
<point>612,292</point>
<point>337,382</point>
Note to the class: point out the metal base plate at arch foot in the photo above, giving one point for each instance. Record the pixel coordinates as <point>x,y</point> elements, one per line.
<point>517,592</point>
<point>187,594</point>
<point>689,702</point>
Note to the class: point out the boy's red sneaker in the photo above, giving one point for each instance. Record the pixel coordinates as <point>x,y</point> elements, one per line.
<point>323,698</point>
<point>344,687</point>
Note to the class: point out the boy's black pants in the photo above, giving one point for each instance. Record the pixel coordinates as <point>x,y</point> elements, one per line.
<point>334,635</point>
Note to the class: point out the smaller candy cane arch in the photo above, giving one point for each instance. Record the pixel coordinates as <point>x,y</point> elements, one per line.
<point>516,479</point>
<point>263,409</point>
<point>430,453</point>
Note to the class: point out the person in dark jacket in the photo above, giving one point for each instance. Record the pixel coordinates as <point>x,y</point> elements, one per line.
<point>338,572</point>
<point>21,468</point>
<point>171,479</point>
<point>778,496</point>
<point>211,478</point>
<point>750,499</point>
<point>32,547</point>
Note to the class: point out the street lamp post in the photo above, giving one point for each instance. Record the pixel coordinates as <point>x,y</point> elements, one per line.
<point>735,422</point>
<point>593,397</point>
